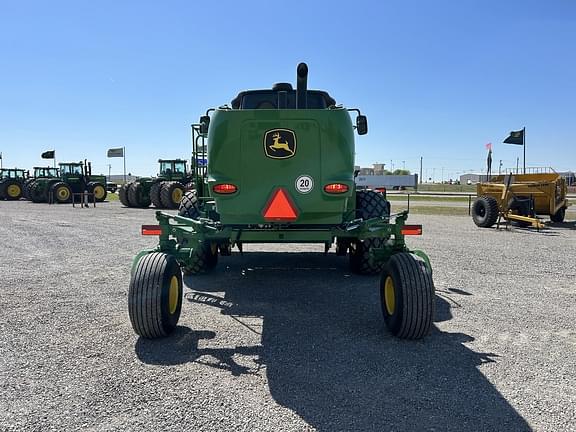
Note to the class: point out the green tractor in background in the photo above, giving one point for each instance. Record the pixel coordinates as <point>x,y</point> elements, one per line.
<point>164,191</point>
<point>38,173</point>
<point>280,169</point>
<point>12,183</point>
<point>73,177</point>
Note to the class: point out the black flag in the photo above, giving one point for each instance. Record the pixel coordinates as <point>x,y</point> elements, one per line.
<point>48,154</point>
<point>515,137</point>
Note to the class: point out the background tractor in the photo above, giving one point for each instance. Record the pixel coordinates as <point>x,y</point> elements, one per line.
<point>164,191</point>
<point>280,169</point>
<point>39,172</point>
<point>520,198</point>
<point>12,183</point>
<point>73,177</point>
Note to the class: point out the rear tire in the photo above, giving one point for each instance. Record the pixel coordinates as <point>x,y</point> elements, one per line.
<point>155,295</point>
<point>99,191</point>
<point>559,215</point>
<point>189,205</point>
<point>36,193</point>
<point>123,195</point>
<point>155,195</point>
<point>12,190</point>
<point>407,296</point>
<point>485,211</point>
<point>171,194</point>
<point>369,204</point>
<point>136,197</point>
<point>204,259</point>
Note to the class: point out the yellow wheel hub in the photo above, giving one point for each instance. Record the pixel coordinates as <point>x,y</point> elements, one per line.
<point>99,192</point>
<point>177,195</point>
<point>63,193</point>
<point>173,295</point>
<point>389,296</point>
<point>13,191</point>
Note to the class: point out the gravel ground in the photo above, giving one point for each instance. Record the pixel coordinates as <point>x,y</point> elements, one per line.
<point>284,341</point>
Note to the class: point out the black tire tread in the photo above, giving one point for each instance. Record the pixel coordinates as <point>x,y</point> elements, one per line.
<point>155,194</point>
<point>491,206</point>
<point>135,197</point>
<point>123,195</point>
<point>418,295</point>
<point>145,296</point>
<point>166,194</point>
<point>189,205</point>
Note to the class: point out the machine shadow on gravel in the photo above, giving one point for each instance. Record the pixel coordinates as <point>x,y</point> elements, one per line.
<point>327,354</point>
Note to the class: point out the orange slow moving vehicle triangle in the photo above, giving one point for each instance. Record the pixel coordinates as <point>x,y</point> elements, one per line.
<point>280,207</point>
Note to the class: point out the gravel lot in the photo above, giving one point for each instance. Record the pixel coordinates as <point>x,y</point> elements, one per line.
<point>280,341</point>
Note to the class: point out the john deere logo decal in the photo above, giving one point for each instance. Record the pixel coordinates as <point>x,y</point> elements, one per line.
<point>280,143</point>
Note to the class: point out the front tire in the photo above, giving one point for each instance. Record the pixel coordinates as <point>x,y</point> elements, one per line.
<point>136,196</point>
<point>155,295</point>
<point>123,195</point>
<point>12,190</point>
<point>99,191</point>
<point>61,193</point>
<point>485,211</point>
<point>204,259</point>
<point>407,296</point>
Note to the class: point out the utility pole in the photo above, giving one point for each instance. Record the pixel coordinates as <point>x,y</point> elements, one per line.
<point>420,169</point>
<point>109,168</point>
<point>403,165</point>
<point>500,167</point>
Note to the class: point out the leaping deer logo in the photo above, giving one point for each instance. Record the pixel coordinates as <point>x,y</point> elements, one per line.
<point>277,145</point>
<point>280,143</point>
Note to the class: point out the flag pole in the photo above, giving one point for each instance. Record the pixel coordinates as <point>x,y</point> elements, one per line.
<point>54,159</point>
<point>124,154</point>
<point>524,145</point>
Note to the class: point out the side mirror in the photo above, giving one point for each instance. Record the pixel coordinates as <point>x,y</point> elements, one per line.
<point>362,125</point>
<point>204,123</point>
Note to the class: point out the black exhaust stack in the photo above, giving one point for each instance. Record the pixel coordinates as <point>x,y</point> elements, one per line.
<point>302,84</point>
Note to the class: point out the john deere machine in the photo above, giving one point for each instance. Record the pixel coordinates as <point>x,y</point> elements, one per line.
<point>164,191</point>
<point>74,177</point>
<point>521,198</point>
<point>39,173</point>
<point>12,183</point>
<point>281,170</point>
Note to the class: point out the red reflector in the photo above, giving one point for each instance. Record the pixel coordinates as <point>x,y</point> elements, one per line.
<point>225,188</point>
<point>380,189</point>
<point>335,188</point>
<point>411,230</point>
<point>151,230</point>
<point>280,207</point>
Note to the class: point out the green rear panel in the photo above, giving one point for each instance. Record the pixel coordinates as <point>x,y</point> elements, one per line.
<point>324,150</point>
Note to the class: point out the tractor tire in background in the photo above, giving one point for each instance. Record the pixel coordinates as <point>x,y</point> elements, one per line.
<point>407,296</point>
<point>123,194</point>
<point>171,193</point>
<point>485,211</point>
<point>99,191</point>
<point>155,194</point>
<point>369,204</point>
<point>61,193</point>
<point>203,259</point>
<point>36,194</point>
<point>559,215</point>
<point>27,184</point>
<point>11,189</point>
<point>136,198</point>
<point>1,189</point>
<point>189,205</point>
<point>155,295</point>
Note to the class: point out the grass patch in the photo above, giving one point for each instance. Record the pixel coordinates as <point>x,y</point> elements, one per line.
<point>112,197</point>
<point>446,188</point>
<point>437,210</point>
<point>393,197</point>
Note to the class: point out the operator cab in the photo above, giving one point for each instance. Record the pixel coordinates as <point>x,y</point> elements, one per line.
<point>281,96</point>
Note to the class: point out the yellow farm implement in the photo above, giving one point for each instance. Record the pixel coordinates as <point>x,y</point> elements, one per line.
<point>520,198</point>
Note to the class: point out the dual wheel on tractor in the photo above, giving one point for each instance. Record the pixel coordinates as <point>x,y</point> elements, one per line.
<point>162,194</point>
<point>11,189</point>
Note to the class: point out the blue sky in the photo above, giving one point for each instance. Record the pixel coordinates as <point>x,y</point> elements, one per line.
<point>437,79</point>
